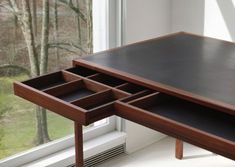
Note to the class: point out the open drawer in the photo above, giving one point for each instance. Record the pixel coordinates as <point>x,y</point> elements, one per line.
<point>193,123</point>
<point>78,93</point>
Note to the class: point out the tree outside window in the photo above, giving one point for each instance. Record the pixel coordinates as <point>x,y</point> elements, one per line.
<point>37,37</point>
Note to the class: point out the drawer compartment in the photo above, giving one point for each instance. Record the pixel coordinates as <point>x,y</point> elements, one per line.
<point>99,99</point>
<point>99,105</point>
<point>81,71</point>
<point>107,80</point>
<point>50,80</point>
<point>75,90</point>
<point>196,124</point>
<point>130,88</point>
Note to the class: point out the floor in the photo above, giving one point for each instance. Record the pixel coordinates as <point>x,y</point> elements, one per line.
<point>161,154</point>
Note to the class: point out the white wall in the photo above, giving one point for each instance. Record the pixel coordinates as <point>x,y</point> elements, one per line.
<point>143,20</point>
<point>146,19</point>
<point>219,19</point>
<point>187,15</point>
<point>214,18</point>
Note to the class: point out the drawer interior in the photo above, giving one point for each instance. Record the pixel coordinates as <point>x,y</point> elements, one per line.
<point>76,93</point>
<point>99,105</point>
<point>194,115</point>
<point>82,71</point>
<point>100,99</point>
<point>107,80</point>
<point>75,90</point>
<point>131,88</point>
<point>49,80</point>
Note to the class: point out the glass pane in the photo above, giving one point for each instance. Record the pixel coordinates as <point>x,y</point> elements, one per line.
<point>101,122</point>
<point>70,36</point>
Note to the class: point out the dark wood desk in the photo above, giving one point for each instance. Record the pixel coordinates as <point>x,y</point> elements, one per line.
<point>182,85</point>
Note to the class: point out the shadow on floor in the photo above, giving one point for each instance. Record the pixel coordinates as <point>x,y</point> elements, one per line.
<point>199,156</point>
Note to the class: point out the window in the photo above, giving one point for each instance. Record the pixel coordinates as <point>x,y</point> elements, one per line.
<point>71,35</point>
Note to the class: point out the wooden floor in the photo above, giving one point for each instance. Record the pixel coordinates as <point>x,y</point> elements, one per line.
<point>161,154</point>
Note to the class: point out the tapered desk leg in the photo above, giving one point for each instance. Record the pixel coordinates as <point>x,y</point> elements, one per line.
<point>179,149</point>
<point>78,136</point>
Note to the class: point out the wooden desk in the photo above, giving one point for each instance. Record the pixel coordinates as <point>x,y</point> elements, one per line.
<point>182,85</point>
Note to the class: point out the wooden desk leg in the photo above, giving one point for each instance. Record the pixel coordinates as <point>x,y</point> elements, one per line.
<point>78,136</point>
<point>179,149</point>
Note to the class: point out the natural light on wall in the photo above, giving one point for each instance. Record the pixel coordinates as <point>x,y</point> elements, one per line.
<point>218,19</point>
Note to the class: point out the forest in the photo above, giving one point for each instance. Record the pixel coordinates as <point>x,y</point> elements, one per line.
<point>37,37</point>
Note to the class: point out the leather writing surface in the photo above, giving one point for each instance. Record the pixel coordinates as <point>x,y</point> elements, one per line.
<point>199,65</point>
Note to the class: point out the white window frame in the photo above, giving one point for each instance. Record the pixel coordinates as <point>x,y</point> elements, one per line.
<point>90,133</point>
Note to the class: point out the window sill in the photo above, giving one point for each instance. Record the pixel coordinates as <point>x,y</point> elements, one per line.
<point>91,147</point>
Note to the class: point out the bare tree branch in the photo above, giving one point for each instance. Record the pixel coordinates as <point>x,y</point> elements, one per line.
<point>20,68</point>
<point>70,4</point>
<point>63,45</point>
<point>14,6</point>
<point>4,3</point>
<point>8,6</point>
<point>64,48</point>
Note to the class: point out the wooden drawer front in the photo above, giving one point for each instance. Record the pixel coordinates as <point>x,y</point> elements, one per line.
<point>50,102</point>
<point>198,125</point>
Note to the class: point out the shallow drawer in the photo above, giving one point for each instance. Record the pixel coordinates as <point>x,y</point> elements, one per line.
<point>193,123</point>
<point>57,91</point>
<point>77,93</point>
